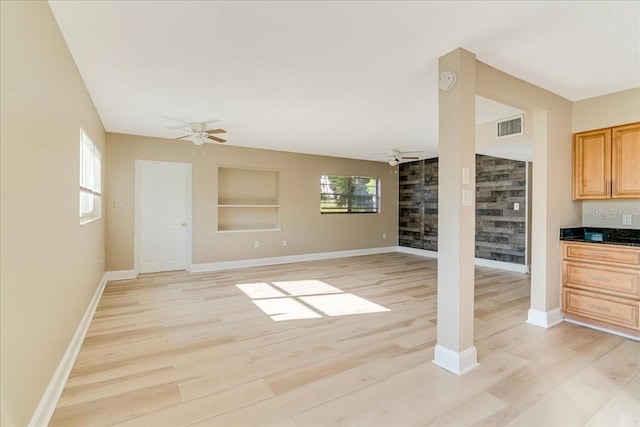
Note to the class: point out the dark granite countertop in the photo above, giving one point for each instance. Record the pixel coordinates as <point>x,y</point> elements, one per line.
<point>607,236</point>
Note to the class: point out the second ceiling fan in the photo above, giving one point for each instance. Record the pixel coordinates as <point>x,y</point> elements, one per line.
<point>395,156</point>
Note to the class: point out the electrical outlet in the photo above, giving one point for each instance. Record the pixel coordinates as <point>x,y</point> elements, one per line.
<point>284,243</point>
<point>626,219</point>
<point>516,206</point>
<point>256,244</point>
<point>384,236</point>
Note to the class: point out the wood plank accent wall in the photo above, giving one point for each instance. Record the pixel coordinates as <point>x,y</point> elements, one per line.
<point>418,204</point>
<point>500,230</point>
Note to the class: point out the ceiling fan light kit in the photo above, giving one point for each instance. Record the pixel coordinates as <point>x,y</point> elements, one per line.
<point>199,132</point>
<point>395,156</point>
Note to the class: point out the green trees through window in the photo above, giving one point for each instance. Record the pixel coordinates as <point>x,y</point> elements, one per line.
<point>349,194</point>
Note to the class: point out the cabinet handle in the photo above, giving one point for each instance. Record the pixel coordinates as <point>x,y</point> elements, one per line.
<point>598,307</point>
<point>598,279</point>
<point>598,254</point>
<point>607,187</point>
<point>614,190</point>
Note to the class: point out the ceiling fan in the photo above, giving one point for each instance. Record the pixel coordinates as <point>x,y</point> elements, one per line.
<point>395,156</point>
<point>198,132</point>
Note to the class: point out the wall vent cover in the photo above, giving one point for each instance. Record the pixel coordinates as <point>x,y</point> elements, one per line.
<point>509,127</point>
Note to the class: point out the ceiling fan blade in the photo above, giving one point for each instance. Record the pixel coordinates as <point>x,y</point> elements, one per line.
<point>174,119</point>
<point>186,126</point>
<point>211,131</point>
<point>215,138</point>
<point>185,136</point>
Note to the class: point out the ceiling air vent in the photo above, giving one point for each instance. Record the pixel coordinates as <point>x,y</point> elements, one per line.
<point>509,127</point>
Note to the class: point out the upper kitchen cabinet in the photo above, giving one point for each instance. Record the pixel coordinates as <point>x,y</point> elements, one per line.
<point>606,163</point>
<point>625,161</point>
<point>592,165</point>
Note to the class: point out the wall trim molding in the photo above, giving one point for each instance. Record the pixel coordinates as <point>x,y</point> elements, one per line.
<point>457,363</point>
<point>259,262</point>
<point>44,411</point>
<point>499,265</point>
<point>545,319</point>
<point>420,252</point>
<point>120,275</point>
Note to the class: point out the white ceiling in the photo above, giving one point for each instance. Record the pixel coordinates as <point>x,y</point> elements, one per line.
<point>347,79</point>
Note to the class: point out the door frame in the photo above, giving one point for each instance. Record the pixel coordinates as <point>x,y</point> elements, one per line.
<point>136,213</point>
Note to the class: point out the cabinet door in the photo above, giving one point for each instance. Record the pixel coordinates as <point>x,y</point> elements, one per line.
<point>592,165</point>
<point>625,162</point>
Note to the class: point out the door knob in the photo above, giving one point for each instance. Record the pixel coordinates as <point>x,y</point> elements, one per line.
<point>184,224</point>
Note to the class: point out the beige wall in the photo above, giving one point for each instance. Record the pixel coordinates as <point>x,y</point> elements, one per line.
<point>552,204</point>
<point>486,134</point>
<point>614,109</point>
<point>50,265</point>
<point>604,111</point>
<point>304,228</point>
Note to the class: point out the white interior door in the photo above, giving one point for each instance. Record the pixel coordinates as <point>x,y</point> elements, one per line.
<point>164,200</point>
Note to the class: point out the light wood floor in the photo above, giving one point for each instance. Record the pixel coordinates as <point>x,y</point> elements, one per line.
<point>192,349</point>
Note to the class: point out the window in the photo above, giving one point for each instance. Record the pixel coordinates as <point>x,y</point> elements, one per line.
<point>349,194</point>
<point>90,179</point>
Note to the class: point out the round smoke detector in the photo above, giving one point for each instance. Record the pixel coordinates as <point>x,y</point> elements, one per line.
<point>447,80</point>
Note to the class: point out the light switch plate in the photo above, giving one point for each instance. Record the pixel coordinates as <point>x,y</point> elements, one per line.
<point>626,219</point>
<point>466,176</point>
<point>467,197</point>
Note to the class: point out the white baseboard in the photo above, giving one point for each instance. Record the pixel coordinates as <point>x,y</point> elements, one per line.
<point>120,275</point>
<point>545,319</point>
<point>258,262</point>
<point>49,400</point>
<point>452,361</point>
<point>415,251</point>
<point>499,265</point>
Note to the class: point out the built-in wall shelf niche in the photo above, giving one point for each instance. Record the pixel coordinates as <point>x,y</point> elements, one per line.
<point>248,199</point>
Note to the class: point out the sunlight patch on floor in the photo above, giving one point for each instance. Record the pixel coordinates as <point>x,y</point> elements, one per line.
<point>285,309</point>
<point>260,290</point>
<point>306,299</point>
<point>342,304</point>
<point>307,287</point>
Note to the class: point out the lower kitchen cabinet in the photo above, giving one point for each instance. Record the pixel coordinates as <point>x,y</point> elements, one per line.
<point>601,283</point>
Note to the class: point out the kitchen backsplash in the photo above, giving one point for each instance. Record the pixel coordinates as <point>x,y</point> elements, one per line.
<point>611,213</point>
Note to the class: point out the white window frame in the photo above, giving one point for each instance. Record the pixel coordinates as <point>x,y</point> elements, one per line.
<point>349,208</point>
<point>90,195</point>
